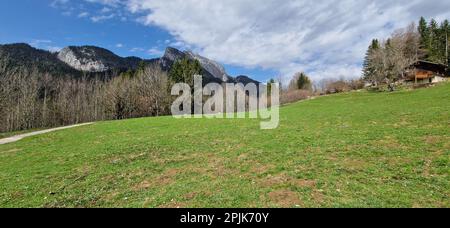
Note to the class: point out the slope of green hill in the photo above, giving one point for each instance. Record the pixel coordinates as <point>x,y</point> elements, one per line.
<point>350,150</point>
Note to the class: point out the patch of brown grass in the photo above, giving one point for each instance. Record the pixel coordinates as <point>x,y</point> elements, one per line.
<point>354,164</point>
<point>394,161</point>
<point>272,181</point>
<point>388,143</point>
<point>435,139</point>
<point>317,196</point>
<point>143,185</point>
<point>284,179</point>
<point>259,169</point>
<point>110,196</point>
<point>305,183</point>
<point>285,199</point>
<point>162,180</point>
<point>190,196</point>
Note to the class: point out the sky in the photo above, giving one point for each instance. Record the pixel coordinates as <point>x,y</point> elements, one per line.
<point>260,38</point>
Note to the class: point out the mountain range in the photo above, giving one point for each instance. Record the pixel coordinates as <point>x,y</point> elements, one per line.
<point>77,61</point>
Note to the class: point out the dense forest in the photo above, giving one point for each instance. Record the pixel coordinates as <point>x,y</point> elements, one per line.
<point>386,61</point>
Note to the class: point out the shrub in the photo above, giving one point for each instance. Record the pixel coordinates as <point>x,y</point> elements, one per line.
<point>295,95</point>
<point>338,87</point>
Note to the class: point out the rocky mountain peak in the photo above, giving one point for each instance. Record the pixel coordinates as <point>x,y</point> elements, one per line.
<point>213,68</point>
<point>78,60</point>
<point>217,70</point>
<point>95,59</point>
<point>173,54</point>
<point>82,58</point>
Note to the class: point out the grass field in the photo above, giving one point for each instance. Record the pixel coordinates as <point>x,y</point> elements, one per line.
<point>351,150</point>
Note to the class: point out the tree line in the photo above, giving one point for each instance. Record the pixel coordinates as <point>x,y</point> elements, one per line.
<point>32,99</point>
<point>386,61</point>
<point>434,40</point>
<point>301,87</point>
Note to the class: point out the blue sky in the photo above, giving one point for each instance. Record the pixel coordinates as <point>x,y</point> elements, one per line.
<point>38,23</point>
<point>259,38</point>
<point>47,25</point>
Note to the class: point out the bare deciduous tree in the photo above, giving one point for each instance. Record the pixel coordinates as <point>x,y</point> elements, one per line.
<point>389,62</point>
<point>152,84</point>
<point>30,99</point>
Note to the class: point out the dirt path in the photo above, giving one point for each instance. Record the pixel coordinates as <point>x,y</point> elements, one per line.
<point>20,137</point>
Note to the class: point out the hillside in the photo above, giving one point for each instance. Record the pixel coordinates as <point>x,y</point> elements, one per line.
<point>21,57</point>
<point>16,57</point>
<point>351,150</point>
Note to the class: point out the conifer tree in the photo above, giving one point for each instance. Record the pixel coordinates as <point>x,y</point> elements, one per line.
<point>433,50</point>
<point>304,82</point>
<point>446,40</point>
<point>368,66</point>
<point>184,71</point>
<point>424,38</point>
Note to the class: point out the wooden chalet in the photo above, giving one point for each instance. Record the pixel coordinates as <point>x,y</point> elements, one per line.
<point>424,72</point>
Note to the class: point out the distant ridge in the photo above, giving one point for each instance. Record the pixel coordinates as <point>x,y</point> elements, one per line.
<point>77,61</point>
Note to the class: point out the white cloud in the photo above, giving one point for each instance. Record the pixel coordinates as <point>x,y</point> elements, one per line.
<point>39,42</point>
<point>44,44</point>
<point>325,38</point>
<point>119,45</point>
<point>83,14</point>
<point>102,18</point>
<point>58,3</point>
<point>105,10</point>
<point>53,48</point>
<point>64,6</point>
<point>137,49</point>
<point>155,52</point>
<point>111,3</point>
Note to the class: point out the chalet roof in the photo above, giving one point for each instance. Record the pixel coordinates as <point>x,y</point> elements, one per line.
<point>430,66</point>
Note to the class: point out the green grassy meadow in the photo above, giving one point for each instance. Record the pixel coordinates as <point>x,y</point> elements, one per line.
<point>357,149</point>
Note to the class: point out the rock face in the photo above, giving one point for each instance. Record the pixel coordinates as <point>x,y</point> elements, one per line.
<point>217,70</point>
<point>212,71</point>
<point>173,54</point>
<point>83,63</point>
<point>95,59</point>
